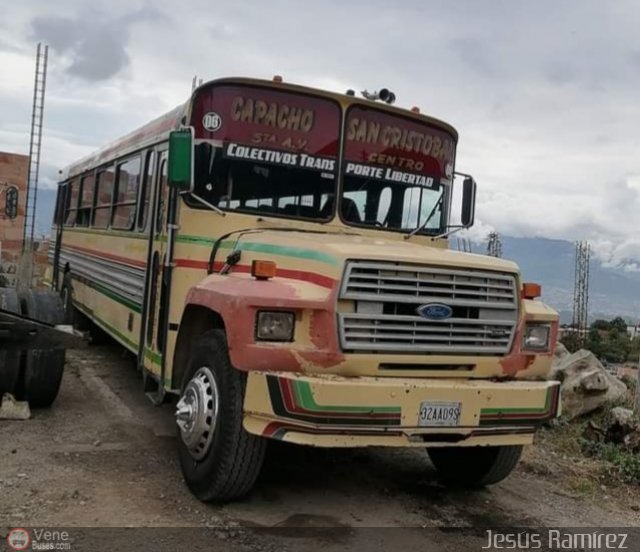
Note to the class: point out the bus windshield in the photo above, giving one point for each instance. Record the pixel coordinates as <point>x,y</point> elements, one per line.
<point>265,151</point>
<point>397,172</point>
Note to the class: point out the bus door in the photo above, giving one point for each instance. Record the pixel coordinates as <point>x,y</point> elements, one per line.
<point>153,329</point>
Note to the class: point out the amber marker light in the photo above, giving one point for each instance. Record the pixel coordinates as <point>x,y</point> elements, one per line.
<point>531,291</point>
<point>415,109</point>
<point>277,78</point>
<point>263,270</point>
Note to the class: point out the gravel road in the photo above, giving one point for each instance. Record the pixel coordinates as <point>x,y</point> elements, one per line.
<point>104,456</point>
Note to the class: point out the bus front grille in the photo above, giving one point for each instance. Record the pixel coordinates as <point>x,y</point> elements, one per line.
<point>387,296</point>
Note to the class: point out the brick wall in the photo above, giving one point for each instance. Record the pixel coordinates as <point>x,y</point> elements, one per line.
<point>14,170</point>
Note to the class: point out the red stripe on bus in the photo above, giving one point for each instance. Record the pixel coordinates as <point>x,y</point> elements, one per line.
<point>302,275</point>
<point>109,256</point>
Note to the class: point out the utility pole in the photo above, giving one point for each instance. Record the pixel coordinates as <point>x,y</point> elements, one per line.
<point>494,245</point>
<point>464,244</point>
<point>581,291</point>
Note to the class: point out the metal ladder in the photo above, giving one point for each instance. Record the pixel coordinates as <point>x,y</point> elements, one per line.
<point>37,118</point>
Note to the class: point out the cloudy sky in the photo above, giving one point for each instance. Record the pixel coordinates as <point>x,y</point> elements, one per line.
<point>545,94</point>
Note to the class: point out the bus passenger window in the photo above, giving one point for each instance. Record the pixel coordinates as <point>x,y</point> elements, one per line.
<point>86,201</point>
<point>126,195</point>
<point>145,193</point>
<point>104,194</point>
<point>72,204</point>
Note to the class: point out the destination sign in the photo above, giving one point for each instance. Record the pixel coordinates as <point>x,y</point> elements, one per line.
<point>301,160</point>
<point>382,140</point>
<point>264,119</point>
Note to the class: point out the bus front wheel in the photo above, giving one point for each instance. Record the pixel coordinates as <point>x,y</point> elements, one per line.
<point>220,461</point>
<point>474,466</point>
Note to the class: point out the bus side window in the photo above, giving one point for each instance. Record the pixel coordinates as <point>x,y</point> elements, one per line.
<point>145,192</point>
<point>104,193</point>
<point>126,195</point>
<point>71,207</point>
<point>86,201</point>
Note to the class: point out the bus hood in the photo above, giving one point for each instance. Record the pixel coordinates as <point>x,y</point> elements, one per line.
<point>334,249</point>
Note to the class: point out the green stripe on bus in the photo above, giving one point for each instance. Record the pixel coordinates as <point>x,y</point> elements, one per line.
<point>154,357</point>
<point>116,297</point>
<point>286,251</point>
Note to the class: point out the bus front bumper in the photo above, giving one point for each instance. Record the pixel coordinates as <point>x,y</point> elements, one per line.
<point>334,411</point>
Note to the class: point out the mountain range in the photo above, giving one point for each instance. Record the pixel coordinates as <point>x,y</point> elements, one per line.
<point>549,262</point>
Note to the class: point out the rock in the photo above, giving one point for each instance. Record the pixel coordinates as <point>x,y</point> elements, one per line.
<point>593,432</point>
<point>11,409</point>
<point>585,384</point>
<point>622,425</point>
<point>623,417</point>
<point>632,441</point>
<point>560,352</point>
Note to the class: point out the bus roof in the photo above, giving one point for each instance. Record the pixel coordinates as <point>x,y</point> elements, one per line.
<point>158,130</point>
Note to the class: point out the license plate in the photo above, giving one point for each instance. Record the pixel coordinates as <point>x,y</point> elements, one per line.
<point>439,414</point>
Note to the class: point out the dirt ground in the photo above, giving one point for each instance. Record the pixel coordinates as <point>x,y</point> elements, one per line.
<point>104,456</point>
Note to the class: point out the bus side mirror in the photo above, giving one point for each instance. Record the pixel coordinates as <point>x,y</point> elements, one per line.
<point>468,202</point>
<point>180,171</point>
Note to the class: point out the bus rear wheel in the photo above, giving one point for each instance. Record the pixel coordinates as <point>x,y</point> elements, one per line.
<point>9,359</point>
<point>43,369</point>
<point>470,467</point>
<point>220,461</point>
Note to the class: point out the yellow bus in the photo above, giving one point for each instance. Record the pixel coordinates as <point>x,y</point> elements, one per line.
<point>277,258</point>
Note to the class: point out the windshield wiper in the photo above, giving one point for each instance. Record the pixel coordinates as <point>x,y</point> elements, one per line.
<point>424,224</point>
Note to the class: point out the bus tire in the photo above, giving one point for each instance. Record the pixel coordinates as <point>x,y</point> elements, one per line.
<point>220,461</point>
<point>470,467</point>
<point>43,369</point>
<point>9,359</point>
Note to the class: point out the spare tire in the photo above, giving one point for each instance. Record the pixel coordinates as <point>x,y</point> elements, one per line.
<point>9,360</point>
<point>43,368</point>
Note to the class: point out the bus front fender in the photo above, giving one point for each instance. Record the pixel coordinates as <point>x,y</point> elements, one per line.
<point>238,299</point>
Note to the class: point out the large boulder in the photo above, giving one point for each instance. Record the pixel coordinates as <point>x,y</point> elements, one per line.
<point>560,353</point>
<point>585,384</point>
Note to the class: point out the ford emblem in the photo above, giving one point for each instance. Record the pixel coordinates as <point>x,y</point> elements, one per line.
<point>435,311</point>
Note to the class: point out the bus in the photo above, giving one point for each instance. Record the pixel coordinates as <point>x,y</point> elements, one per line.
<point>276,257</point>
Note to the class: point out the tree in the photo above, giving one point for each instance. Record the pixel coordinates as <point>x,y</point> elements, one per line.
<point>601,325</point>
<point>619,324</point>
<point>571,340</point>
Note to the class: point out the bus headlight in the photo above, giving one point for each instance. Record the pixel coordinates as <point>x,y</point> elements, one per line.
<point>536,337</point>
<point>275,326</point>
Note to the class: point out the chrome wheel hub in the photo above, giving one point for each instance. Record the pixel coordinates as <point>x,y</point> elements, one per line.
<point>197,412</point>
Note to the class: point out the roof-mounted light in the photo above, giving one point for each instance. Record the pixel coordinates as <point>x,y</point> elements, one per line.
<point>384,94</point>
